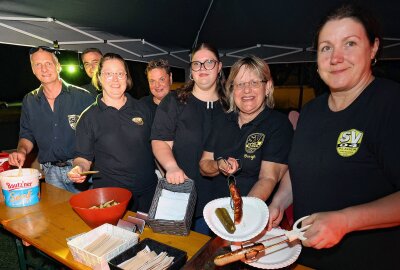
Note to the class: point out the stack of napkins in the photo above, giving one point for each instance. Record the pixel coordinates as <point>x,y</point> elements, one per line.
<point>172,205</point>
<point>146,260</point>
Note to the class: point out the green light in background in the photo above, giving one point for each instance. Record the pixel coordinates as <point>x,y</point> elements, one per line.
<point>71,68</point>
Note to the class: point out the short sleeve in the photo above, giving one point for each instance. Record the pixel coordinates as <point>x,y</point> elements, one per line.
<point>85,137</point>
<point>25,130</point>
<point>212,137</point>
<point>388,148</point>
<point>278,141</point>
<point>165,120</point>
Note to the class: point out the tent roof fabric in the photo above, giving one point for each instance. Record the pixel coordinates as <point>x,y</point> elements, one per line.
<point>139,30</point>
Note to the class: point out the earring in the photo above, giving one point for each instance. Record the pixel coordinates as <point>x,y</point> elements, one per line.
<point>220,75</point>
<point>190,77</point>
<point>374,62</point>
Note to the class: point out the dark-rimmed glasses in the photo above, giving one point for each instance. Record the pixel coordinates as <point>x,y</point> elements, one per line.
<point>251,84</point>
<point>208,64</point>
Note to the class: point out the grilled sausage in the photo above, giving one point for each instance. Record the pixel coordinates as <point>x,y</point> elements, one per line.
<point>237,203</point>
<point>243,253</point>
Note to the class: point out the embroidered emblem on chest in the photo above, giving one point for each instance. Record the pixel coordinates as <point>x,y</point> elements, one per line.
<point>73,120</point>
<point>349,142</point>
<point>138,121</point>
<point>253,142</point>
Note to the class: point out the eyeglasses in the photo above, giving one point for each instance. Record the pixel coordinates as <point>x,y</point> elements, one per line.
<point>251,84</point>
<point>43,48</point>
<point>208,64</point>
<point>110,75</point>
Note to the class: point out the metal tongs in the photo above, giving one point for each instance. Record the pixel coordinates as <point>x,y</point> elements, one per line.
<point>250,250</point>
<point>231,180</point>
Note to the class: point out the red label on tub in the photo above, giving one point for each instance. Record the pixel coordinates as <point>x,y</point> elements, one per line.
<point>13,186</point>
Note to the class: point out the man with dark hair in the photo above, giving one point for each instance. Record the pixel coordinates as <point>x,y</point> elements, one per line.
<point>48,118</point>
<point>159,76</point>
<point>90,59</point>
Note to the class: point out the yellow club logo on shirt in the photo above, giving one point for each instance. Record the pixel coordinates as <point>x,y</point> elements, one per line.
<point>348,142</point>
<point>253,142</point>
<point>138,120</point>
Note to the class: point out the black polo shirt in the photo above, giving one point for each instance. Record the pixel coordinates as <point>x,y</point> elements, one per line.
<point>188,126</point>
<point>148,100</point>
<point>53,131</point>
<point>118,142</point>
<point>266,138</point>
<point>92,90</point>
<point>346,158</point>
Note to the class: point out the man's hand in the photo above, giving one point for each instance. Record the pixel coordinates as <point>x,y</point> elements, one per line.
<point>75,176</point>
<point>17,159</point>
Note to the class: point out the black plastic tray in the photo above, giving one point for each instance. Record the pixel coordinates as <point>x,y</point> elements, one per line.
<point>180,256</point>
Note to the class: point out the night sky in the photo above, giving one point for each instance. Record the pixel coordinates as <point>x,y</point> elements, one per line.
<point>17,79</point>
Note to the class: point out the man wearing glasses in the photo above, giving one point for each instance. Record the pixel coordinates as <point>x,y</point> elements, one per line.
<point>90,59</point>
<point>48,118</point>
<point>159,76</point>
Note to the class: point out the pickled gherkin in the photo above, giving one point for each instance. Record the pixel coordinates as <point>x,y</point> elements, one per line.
<point>225,219</point>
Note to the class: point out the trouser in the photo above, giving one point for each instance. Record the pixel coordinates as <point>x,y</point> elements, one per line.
<point>57,176</point>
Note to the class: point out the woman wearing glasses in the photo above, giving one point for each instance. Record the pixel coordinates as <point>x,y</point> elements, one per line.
<point>252,141</point>
<point>183,121</point>
<point>114,132</point>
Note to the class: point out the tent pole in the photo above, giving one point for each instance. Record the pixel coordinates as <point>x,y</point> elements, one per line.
<point>300,74</point>
<point>202,23</point>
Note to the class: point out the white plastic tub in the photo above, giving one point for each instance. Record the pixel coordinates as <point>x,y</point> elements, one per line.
<point>20,189</point>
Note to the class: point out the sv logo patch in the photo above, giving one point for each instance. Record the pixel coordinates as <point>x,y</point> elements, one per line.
<point>349,142</point>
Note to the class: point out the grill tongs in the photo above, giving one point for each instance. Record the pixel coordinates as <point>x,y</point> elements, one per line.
<point>250,250</point>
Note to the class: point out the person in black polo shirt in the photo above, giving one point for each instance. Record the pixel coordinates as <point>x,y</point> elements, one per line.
<point>183,122</point>
<point>91,58</point>
<point>159,76</point>
<point>48,118</point>
<point>344,161</point>
<point>251,141</point>
<point>114,132</point>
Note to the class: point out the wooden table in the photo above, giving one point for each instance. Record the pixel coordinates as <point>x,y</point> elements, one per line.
<point>47,224</point>
<point>47,230</point>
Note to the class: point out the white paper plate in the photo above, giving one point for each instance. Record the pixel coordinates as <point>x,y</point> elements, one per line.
<point>277,257</point>
<point>255,218</point>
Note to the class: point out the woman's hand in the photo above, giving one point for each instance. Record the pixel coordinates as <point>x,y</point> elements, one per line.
<point>175,176</point>
<point>228,166</point>
<point>74,175</point>
<point>327,229</point>
<point>275,216</point>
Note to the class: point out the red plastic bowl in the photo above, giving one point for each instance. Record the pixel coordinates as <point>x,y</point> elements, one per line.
<point>81,203</point>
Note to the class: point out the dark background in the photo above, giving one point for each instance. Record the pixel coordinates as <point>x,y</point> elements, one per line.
<point>17,80</point>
